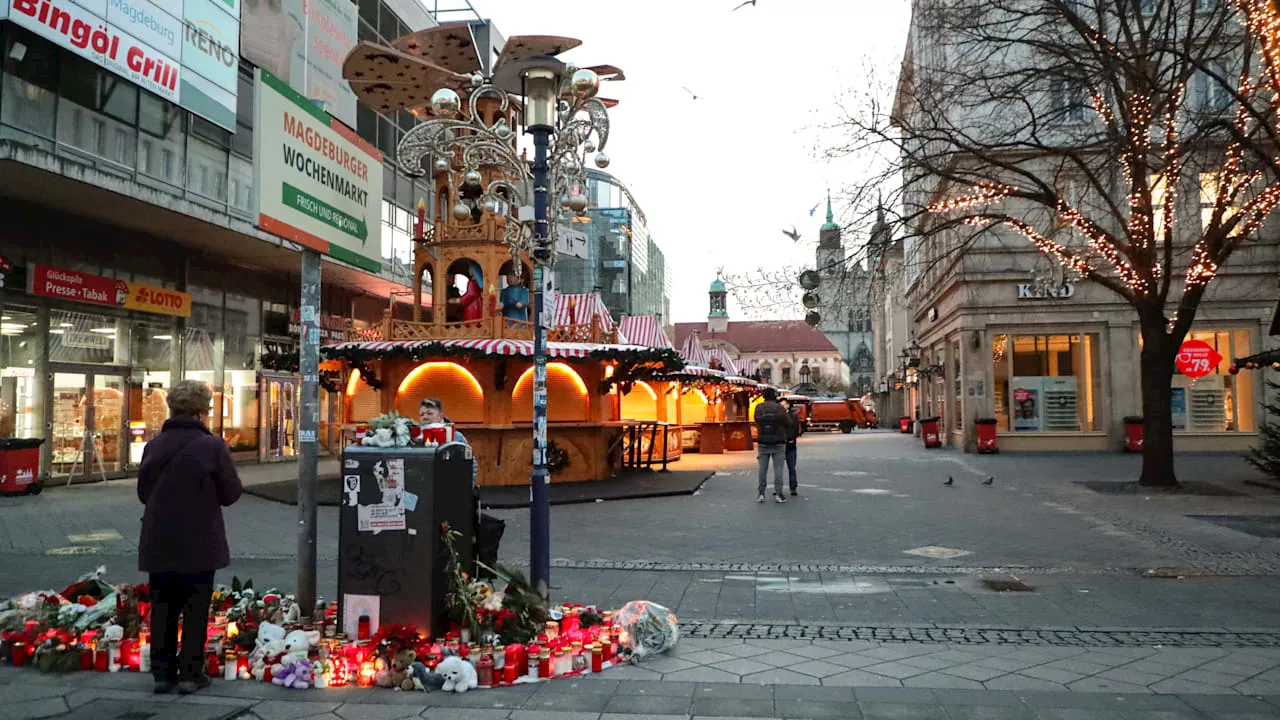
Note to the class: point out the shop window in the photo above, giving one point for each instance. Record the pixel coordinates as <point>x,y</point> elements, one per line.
<point>1220,402</point>
<point>80,337</point>
<point>1045,383</point>
<point>29,98</point>
<point>19,397</point>
<point>957,383</point>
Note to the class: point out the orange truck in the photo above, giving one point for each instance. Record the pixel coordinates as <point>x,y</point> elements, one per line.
<point>842,415</point>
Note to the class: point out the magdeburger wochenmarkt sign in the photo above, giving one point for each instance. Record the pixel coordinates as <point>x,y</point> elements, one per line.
<point>319,184</point>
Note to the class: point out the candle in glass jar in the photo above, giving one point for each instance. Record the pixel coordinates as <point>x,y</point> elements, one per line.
<point>86,658</point>
<point>368,672</point>
<point>101,657</point>
<point>553,630</point>
<point>144,659</point>
<point>597,658</point>
<point>499,658</point>
<point>544,663</point>
<point>242,665</point>
<point>230,669</point>
<point>484,669</point>
<point>606,648</point>
<point>212,668</point>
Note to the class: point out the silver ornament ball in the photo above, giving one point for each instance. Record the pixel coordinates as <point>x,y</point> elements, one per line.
<point>491,206</point>
<point>461,211</point>
<point>585,83</point>
<point>564,201</point>
<point>477,80</point>
<point>589,146</point>
<point>501,129</point>
<point>563,106</point>
<point>472,178</point>
<point>602,160</point>
<point>577,202</point>
<point>441,165</point>
<point>445,102</point>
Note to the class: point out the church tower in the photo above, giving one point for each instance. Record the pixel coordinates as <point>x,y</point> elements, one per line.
<point>718,315</point>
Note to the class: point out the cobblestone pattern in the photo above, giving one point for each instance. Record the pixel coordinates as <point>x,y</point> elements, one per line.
<point>983,636</point>
<point>726,567</point>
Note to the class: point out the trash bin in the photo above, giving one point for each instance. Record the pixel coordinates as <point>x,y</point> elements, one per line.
<point>904,425</point>
<point>929,431</point>
<point>392,561</point>
<point>20,466</point>
<point>987,435</point>
<point>1133,434</point>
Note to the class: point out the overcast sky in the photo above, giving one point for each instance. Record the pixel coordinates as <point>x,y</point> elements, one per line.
<point>720,177</point>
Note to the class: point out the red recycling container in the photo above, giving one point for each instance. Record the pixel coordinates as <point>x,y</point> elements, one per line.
<point>1133,434</point>
<point>929,431</point>
<point>904,425</point>
<point>987,435</point>
<point>20,466</point>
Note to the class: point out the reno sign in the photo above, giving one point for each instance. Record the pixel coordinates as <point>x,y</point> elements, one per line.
<point>185,51</point>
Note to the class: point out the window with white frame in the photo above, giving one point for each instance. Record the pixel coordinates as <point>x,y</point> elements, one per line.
<point>1068,100</point>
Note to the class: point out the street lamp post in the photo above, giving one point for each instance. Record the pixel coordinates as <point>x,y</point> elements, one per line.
<point>540,85</point>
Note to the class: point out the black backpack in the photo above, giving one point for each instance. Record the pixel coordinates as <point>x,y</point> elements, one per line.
<point>770,422</point>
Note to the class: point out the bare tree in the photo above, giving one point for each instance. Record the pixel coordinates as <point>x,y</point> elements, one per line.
<point>1077,126</point>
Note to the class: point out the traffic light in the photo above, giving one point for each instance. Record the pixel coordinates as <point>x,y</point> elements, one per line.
<point>810,279</point>
<point>811,300</point>
<point>813,318</point>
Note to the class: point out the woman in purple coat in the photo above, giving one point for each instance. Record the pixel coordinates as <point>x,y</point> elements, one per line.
<point>186,478</point>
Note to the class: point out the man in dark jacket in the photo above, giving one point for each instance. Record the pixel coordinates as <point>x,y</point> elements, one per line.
<point>793,434</point>
<point>772,425</point>
<point>186,478</point>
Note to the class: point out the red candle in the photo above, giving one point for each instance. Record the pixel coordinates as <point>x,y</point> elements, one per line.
<point>597,659</point>
<point>362,628</point>
<point>531,660</point>
<point>266,674</point>
<point>135,659</point>
<point>18,654</point>
<point>101,658</point>
<point>606,650</point>
<point>544,664</point>
<point>212,669</point>
<point>86,659</point>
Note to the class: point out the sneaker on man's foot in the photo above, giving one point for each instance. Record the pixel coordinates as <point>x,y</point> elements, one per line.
<point>760,499</point>
<point>793,493</point>
<point>186,687</point>
<point>164,687</point>
<point>779,499</point>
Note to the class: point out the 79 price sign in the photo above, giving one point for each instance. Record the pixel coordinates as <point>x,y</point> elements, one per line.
<point>1196,359</point>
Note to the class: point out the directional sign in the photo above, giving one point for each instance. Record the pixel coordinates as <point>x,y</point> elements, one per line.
<point>1196,359</point>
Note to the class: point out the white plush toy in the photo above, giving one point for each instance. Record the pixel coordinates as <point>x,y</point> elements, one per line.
<point>268,647</point>
<point>459,675</point>
<point>298,643</point>
<point>402,432</point>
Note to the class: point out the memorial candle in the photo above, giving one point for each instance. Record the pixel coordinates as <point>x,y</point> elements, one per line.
<point>597,658</point>
<point>101,657</point>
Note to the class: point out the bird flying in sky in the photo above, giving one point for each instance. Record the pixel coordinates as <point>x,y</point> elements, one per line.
<point>691,93</point>
<point>752,3</point>
<point>795,236</point>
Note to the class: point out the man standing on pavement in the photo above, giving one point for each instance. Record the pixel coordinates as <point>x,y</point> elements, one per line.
<point>793,433</point>
<point>773,428</point>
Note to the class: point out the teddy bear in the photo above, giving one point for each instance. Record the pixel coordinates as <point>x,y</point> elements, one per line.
<point>459,675</point>
<point>297,674</point>
<point>381,437</point>
<point>268,649</point>
<point>425,680</point>
<point>397,674</point>
<point>298,644</point>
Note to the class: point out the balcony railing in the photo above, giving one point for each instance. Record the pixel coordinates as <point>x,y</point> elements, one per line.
<point>493,326</point>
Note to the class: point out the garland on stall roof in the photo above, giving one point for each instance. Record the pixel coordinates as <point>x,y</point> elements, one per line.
<point>667,360</point>
<point>279,361</point>
<point>367,374</point>
<point>625,376</point>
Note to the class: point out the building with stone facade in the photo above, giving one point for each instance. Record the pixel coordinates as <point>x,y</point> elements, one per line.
<point>1005,335</point>
<point>786,353</point>
<point>890,322</point>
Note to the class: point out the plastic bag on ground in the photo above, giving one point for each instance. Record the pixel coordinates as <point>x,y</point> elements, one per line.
<point>651,628</point>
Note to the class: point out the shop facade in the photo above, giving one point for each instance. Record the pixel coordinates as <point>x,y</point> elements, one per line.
<point>94,333</point>
<point>1056,363</point>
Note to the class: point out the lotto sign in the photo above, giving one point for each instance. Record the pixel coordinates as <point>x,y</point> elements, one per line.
<point>1196,359</point>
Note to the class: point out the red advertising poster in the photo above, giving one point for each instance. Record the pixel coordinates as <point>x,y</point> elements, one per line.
<point>1196,359</point>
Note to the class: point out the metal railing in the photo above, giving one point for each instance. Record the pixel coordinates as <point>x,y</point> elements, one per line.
<point>638,454</point>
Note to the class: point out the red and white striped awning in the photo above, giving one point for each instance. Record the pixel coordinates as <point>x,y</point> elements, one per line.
<point>719,358</point>
<point>644,330</point>
<point>579,309</point>
<point>508,348</point>
<point>693,352</point>
<point>696,371</point>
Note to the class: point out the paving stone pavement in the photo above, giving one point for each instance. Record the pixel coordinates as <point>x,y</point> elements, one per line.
<point>612,696</point>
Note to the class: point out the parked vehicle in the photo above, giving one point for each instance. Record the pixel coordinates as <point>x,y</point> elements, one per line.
<point>842,414</point>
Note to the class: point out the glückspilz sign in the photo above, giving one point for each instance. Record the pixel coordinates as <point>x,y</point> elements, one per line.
<point>319,184</point>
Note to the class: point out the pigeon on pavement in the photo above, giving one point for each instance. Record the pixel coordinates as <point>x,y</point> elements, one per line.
<point>989,480</point>
<point>950,481</point>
